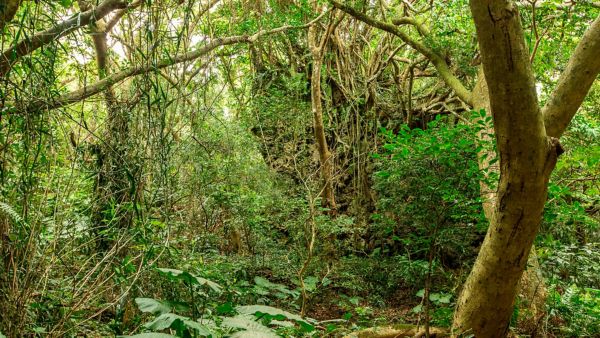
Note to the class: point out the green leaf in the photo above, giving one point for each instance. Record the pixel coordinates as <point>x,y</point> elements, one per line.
<point>253,334</point>
<point>176,322</point>
<point>269,310</point>
<point>445,299</point>
<point>147,335</point>
<point>66,3</point>
<point>152,306</point>
<point>245,322</point>
<point>224,309</point>
<point>187,277</point>
<point>310,283</point>
<point>164,321</point>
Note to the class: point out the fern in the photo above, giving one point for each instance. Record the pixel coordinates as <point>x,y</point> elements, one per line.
<point>11,213</point>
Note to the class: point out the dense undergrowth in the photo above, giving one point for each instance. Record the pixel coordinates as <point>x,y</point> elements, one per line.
<point>216,272</point>
<point>189,204</point>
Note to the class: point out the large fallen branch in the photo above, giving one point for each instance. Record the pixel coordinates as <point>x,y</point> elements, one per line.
<point>28,45</point>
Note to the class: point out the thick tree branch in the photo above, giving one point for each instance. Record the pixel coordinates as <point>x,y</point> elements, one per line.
<point>438,62</point>
<point>407,20</point>
<point>25,47</point>
<point>108,81</point>
<point>93,89</point>
<point>574,83</point>
<point>568,4</point>
<point>505,60</point>
<point>8,9</point>
<point>527,157</point>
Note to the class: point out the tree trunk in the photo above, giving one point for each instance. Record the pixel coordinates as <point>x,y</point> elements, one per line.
<point>532,288</point>
<point>325,157</point>
<point>527,157</point>
<point>114,182</point>
<point>8,9</point>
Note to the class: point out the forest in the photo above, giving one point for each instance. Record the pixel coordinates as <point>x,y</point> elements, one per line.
<point>299,168</point>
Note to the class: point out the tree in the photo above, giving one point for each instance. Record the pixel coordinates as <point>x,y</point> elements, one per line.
<point>526,162</point>
<point>528,147</point>
<point>317,49</point>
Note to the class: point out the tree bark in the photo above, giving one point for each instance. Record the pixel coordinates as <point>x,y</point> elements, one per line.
<point>27,46</point>
<point>574,83</point>
<point>8,9</point>
<point>527,157</point>
<point>532,288</point>
<point>485,140</point>
<point>113,184</point>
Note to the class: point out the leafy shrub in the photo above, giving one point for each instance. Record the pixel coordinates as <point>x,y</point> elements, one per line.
<point>203,314</point>
<point>579,308</point>
<point>428,189</point>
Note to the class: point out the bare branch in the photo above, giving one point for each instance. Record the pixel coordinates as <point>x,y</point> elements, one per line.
<point>438,62</point>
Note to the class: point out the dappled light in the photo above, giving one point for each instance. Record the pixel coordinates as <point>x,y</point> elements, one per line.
<point>286,168</point>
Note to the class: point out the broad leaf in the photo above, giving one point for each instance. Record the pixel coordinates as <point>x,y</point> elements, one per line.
<point>148,335</point>
<point>152,306</point>
<point>187,277</point>
<point>251,327</point>
<point>177,322</point>
<point>271,311</point>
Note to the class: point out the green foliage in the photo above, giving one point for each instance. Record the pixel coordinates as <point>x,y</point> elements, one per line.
<point>188,278</point>
<point>441,307</point>
<point>206,165</point>
<point>184,326</point>
<point>249,325</point>
<point>579,307</point>
<point>428,186</point>
<point>215,318</point>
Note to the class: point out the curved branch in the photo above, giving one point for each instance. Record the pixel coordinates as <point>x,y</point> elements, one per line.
<point>574,83</point>
<point>27,46</point>
<point>438,61</point>
<point>407,20</point>
<point>108,81</point>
